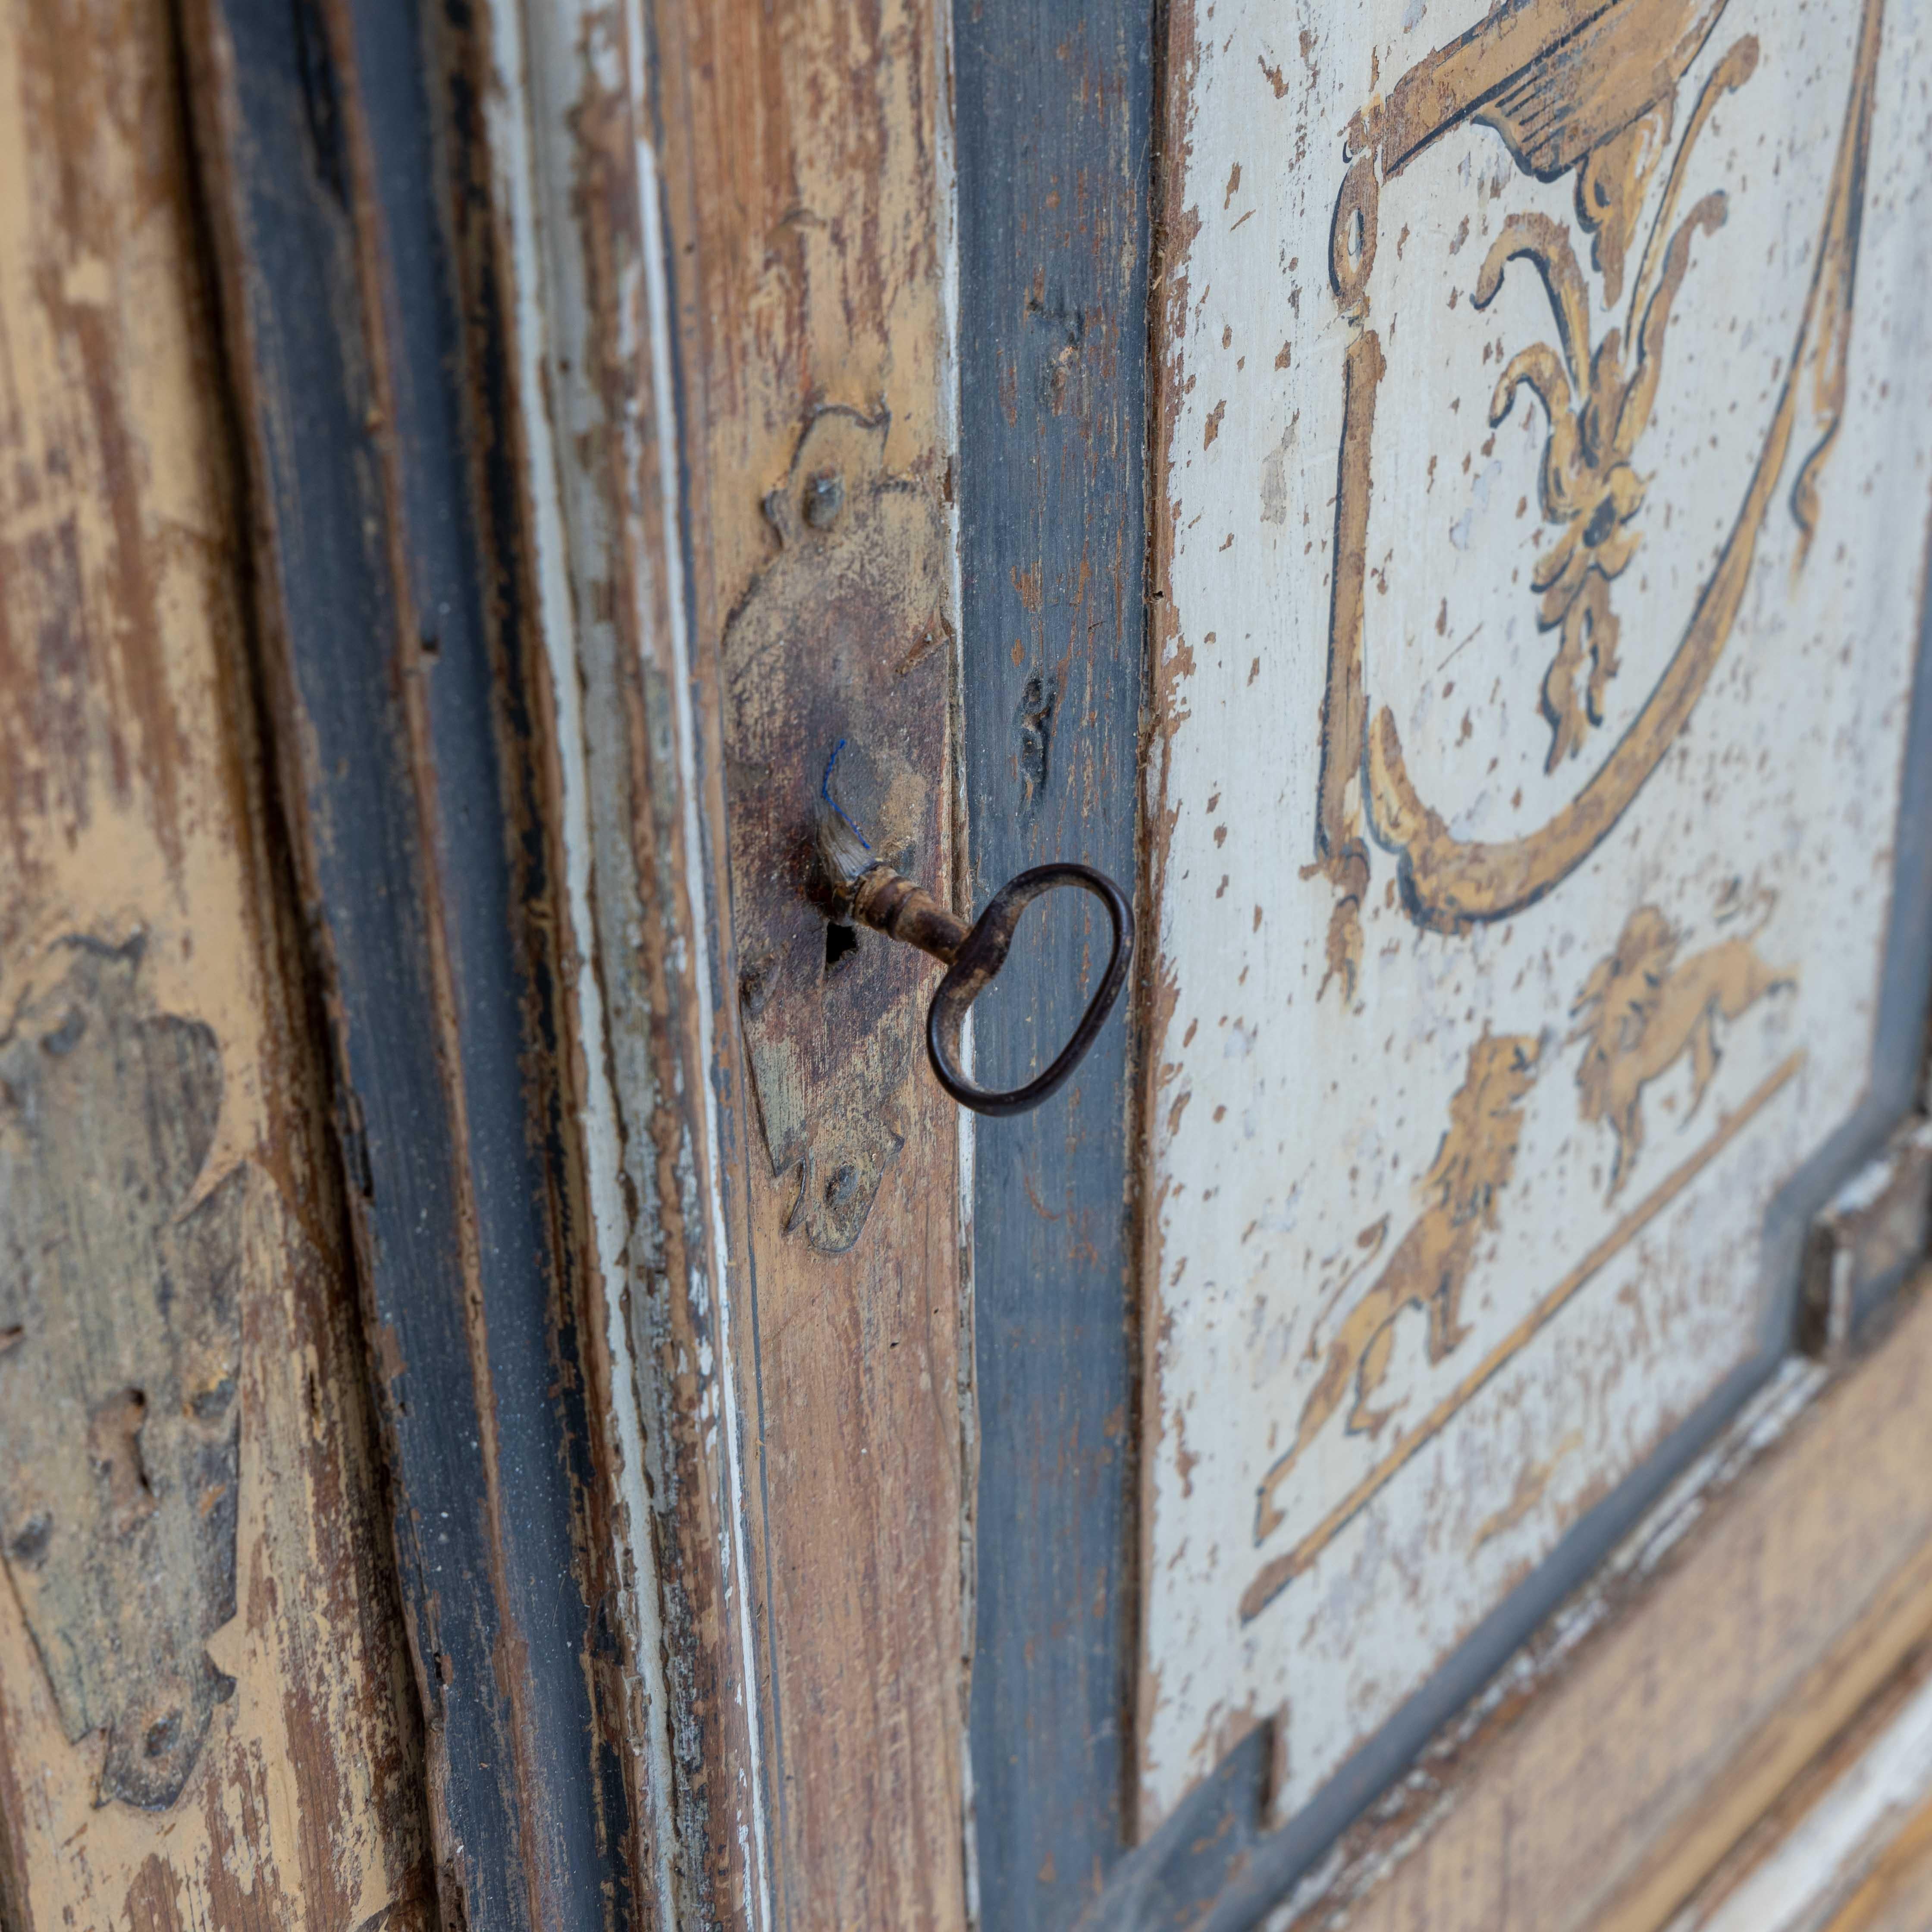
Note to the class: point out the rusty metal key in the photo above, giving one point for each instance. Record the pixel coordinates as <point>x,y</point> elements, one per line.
<point>875,894</point>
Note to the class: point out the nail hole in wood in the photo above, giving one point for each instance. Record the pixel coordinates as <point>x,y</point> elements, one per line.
<point>30,1544</point>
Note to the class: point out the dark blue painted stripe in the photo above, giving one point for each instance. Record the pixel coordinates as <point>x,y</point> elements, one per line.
<point>483,1401</point>
<point>1054,100</point>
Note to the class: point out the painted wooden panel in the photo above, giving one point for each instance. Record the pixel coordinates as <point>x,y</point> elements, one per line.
<point>1540,882</point>
<point>802,151</point>
<point>1768,1601</point>
<point>206,1713</point>
<point>581,246</point>
<point>363,314</point>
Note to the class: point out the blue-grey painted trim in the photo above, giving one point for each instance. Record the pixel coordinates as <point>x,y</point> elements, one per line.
<point>451,1138</point>
<point>1054,100</point>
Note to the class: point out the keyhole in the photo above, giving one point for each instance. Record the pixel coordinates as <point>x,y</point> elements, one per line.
<point>841,942</point>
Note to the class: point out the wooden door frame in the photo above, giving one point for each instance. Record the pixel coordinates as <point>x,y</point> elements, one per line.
<point>344,179</point>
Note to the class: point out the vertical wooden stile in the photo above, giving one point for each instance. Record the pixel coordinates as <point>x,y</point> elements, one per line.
<point>1054,109</point>
<point>348,185</point>
<point>590,413</point>
<point>145,895</point>
<point>805,180</point>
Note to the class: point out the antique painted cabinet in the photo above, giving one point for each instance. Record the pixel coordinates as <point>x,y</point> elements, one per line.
<point>524,1402</point>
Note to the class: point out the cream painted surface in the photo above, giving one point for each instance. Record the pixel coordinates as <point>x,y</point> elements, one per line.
<point>1308,1151</point>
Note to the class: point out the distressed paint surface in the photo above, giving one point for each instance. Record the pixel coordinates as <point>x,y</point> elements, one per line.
<point>1763,1608</point>
<point>122,1320</point>
<point>806,186</point>
<point>130,804</point>
<point>1857,1816</point>
<point>1872,1229</point>
<point>348,191</point>
<point>1539,547</point>
<point>571,125</point>
<point>1055,100</point>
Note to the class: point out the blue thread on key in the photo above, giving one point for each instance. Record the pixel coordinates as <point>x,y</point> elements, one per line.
<point>825,792</point>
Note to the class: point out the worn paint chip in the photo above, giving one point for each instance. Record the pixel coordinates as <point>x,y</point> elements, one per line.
<point>119,1423</point>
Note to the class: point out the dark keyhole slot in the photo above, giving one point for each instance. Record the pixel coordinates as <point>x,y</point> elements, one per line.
<point>841,942</point>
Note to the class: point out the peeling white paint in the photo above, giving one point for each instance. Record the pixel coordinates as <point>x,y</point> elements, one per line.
<point>659,310</point>
<point>550,60</point>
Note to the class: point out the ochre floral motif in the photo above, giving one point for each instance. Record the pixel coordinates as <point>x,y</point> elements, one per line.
<point>1611,181</point>
<point>1598,410</point>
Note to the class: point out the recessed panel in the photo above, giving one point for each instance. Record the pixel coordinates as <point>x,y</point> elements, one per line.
<point>1544,525</point>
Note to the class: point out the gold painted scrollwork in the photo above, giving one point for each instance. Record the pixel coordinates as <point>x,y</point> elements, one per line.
<point>1598,412</point>
<point>1568,85</point>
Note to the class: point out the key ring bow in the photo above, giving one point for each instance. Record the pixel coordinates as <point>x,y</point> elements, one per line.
<point>879,896</point>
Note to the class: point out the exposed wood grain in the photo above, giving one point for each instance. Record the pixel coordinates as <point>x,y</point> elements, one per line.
<point>1055,100</point>
<point>131,803</point>
<point>801,152</point>
<point>345,172</point>
<point>1607,1800</point>
<point>1833,1825</point>
<point>1827,1699</point>
<point>590,417</point>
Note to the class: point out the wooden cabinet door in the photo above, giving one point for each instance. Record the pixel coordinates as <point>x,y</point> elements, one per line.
<point>523,1403</point>
<point>1517,1492</point>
